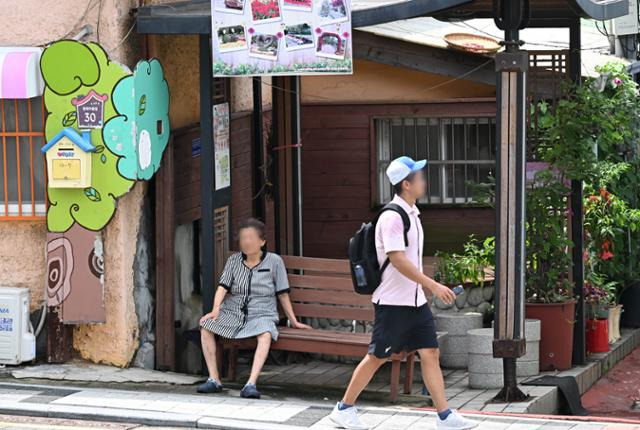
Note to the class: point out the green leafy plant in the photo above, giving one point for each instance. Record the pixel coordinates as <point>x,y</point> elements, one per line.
<point>599,116</point>
<point>608,221</point>
<point>468,267</point>
<point>547,245</point>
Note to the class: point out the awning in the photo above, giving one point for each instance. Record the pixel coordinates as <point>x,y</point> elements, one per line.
<point>194,16</point>
<point>20,76</point>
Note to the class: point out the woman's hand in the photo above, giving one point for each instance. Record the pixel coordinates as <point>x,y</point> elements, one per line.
<point>299,325</point>
<point>213,315</point>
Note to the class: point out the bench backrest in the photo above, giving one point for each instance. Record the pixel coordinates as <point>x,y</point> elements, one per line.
<point>322,288</point>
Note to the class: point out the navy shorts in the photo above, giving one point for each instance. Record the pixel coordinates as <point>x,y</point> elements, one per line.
<point>402,328</point>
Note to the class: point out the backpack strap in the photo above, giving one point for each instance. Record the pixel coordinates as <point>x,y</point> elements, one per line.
<point>403,214</point>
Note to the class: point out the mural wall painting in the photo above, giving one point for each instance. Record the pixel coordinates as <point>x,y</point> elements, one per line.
<point>75,275</point>
<point>125,115</point>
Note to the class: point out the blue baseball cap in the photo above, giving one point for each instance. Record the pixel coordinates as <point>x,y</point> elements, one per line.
<point>402,167</point>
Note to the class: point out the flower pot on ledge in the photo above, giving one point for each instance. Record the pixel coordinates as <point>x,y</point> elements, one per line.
<point>615,313</point>
<point>556,340</point>
<point>597,336</point>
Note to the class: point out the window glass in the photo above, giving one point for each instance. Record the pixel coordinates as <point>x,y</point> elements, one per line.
<point>22,165</point>
<point>458,150</point>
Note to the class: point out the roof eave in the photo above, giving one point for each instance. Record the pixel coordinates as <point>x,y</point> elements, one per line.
<point>191,17</point>
<point>397,11</point>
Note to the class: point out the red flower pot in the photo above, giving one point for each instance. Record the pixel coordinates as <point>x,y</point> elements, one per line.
<point>556,342</point>
<point>597,336</point>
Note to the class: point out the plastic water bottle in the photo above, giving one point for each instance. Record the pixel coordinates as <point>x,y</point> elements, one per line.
<point>361,278</point>
<point>458,290</point>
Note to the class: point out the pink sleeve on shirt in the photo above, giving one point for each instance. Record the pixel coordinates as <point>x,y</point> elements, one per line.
<point>391,231</point>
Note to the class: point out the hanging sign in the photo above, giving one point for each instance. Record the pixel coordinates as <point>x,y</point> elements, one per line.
<point>221,145</point>
<point>281,37</point>
<point>90,109</point>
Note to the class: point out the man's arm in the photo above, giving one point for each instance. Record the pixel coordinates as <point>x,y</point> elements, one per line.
<point>408,269</point>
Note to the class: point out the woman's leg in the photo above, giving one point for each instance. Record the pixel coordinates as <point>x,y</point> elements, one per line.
<point>209,351</point>
<point>262,350</point>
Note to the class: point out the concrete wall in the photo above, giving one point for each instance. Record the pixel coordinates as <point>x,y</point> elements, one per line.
<point>378,83</point>
<point>38,22</point>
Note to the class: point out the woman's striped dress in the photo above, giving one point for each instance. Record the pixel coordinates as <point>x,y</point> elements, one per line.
<point>250,307</point>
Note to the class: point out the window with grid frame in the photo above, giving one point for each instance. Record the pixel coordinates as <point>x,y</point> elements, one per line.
<point>458,150</point>
<point>22,165</point>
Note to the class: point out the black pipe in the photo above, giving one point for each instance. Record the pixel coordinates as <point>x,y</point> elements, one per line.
<point>258,152</point>
<point>275,180</point>
<point>296,168</point>
<point>259,210</point>
<point>207,177</point>
<point>579,343</point>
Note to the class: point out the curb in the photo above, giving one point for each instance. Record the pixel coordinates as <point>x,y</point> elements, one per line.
<point>153,418</point>
<point>131,416</point>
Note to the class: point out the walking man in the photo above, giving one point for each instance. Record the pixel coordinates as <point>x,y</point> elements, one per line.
<point>403,320</point>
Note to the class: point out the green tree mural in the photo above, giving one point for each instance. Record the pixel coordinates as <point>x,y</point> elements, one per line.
<point>71,69</point>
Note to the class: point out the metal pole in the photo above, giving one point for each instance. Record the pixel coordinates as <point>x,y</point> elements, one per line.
<point>207,177</point>
<point>297,165</point>
<point>275,127</point>
<point>258,152</point>
<point>577,237</point>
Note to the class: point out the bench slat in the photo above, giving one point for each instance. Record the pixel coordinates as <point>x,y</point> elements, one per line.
<point>317,264</point>
<point>325,297</point>
<point>325,335</point>
<point>334,312</point>
<point>321,282</point>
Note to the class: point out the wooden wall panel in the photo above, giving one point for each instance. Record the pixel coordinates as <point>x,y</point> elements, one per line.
<point>337,181</point>
<point>187,172</point>
<point>241,172</point>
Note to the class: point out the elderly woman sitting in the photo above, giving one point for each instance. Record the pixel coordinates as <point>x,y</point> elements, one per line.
<point>245,305</point>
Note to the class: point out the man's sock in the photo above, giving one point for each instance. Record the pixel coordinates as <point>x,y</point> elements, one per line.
<point>249,384</point>
<point>342,406</point>
<point>210,379</point>
<point>444,414</point>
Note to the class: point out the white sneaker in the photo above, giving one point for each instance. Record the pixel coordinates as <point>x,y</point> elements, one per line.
<point>347,418</point>
<point>455,421</point>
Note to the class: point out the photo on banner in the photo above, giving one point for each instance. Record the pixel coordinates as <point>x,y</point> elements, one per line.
<point>221,151</point>
<point>281,37</point>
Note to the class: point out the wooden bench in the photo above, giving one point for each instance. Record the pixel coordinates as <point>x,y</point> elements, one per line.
<point>322,288</point>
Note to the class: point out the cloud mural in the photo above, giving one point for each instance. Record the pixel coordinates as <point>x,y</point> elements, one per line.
<point>129,146</point>
<point>139,135</point>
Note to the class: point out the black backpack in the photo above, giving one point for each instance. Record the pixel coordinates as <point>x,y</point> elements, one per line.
<point>366,272</point>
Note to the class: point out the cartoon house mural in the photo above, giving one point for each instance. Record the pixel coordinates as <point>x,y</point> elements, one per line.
<point>69,159</point>
<point>124,129</point>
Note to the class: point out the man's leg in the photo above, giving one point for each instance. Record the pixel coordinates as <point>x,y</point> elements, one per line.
<point>209,350</point>
<point>262,351</point>
<point>361,377</point>
<point>432,376</point>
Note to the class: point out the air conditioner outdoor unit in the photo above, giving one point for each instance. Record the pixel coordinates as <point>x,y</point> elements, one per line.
<point>17,343</point>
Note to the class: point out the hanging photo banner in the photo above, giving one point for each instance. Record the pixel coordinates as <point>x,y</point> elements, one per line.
<point>281,37</point>
<point>221,145</point>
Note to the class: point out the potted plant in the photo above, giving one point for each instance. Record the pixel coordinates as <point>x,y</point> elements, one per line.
<point>599,296</point>
<point>548,289</point>
<point>608,223</point>
<point>471,269</point>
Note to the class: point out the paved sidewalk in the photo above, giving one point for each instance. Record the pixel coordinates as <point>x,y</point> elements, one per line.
<point>227,411</point>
